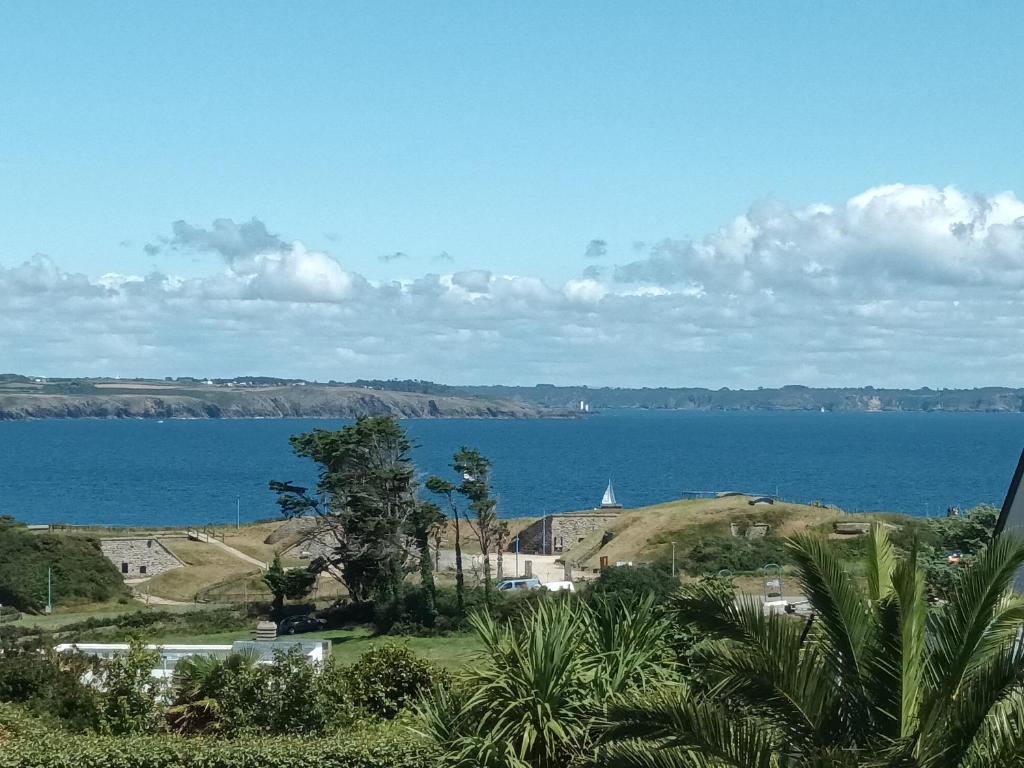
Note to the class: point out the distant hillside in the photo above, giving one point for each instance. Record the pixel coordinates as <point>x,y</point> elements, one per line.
<point>789,398</point>
<point>67,399</point>
<point>24,397</point>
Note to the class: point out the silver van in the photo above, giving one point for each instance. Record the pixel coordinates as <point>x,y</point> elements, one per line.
<point>509,584</point>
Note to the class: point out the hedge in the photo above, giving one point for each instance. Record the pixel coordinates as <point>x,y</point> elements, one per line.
<point>368,747</point>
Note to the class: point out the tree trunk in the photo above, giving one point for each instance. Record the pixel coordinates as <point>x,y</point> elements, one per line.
<point>500,570</point>
<point>427,581</point>
<point>487,575</point>
<point>460,579</point>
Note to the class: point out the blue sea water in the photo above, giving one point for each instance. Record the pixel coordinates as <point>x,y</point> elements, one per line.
<point>190,472</point>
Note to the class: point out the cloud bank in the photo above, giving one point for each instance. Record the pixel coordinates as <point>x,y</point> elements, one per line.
<point>901,285</point>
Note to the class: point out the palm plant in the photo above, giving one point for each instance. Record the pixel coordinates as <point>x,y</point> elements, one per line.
<point>533,700</point>
<point>873,678</point>
<point>198,688</point>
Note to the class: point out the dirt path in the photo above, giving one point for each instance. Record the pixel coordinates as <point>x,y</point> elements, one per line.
<point>231,550</point>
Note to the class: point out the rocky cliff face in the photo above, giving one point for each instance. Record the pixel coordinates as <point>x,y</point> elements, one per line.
<point>280,402</point>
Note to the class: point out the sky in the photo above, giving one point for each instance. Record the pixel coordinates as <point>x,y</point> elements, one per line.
<point>636,194</point>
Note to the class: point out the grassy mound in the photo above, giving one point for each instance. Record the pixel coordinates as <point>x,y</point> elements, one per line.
<point>81,573</point>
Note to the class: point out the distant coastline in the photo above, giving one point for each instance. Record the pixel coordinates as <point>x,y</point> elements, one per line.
<point>25,397</point>
<point>153,400</point>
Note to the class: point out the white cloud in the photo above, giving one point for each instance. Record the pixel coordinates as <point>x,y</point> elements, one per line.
<point>901,285</point>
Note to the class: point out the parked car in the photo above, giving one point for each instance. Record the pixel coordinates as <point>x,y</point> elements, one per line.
<point>560,586</point>
<point>293,625</point>
<point>508,584</point>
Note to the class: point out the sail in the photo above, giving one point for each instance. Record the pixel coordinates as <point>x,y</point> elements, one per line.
<point>608,500</point>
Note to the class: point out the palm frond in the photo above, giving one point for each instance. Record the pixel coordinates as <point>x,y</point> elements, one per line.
<point>880,561</point>
<point>673,731</point>
<point>845,620</point>
<point>962,632</point>
<point>894,663</point>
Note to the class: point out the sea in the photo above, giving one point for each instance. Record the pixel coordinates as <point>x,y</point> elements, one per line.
<point>195,472</point>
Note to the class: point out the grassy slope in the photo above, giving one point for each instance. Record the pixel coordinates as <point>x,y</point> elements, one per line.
<point>206,565</point>
<point>647,533</point>
<point>641,535</point>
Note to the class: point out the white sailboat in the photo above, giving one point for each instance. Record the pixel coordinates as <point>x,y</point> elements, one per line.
<point>608,500</point>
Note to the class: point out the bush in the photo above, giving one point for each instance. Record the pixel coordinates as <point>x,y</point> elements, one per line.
<point>81,572</point>
<point>714,553</point>
<point>389,677</point>
<point>130,698</point>
<point>49,686</point>
<point>141,623</point>
<point>385,746</point>
<point>236,695</point>
<point>631,583</point>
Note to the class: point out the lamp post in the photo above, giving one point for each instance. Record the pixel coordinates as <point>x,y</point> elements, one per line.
<point>49,588</point>
<point>238,512</point>
<point>517,555</point>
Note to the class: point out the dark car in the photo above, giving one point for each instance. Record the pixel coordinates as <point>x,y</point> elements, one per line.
<point>295,624</point>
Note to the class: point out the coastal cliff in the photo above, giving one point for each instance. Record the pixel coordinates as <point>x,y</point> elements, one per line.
<point>267,402</point>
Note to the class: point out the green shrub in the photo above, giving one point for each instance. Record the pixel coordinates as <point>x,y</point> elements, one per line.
<point>387,678</point>
<point>236,695</point>
<point>49,685</point>
<point>385,746</point>
<point>631,583</point>
<point>141,623</point>
<point>81,572</point>
<point>714,553</point>
<point>131,695</point>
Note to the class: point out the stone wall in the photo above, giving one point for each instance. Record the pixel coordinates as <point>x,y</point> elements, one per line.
<point>555,534</point>
<point>139,558</point>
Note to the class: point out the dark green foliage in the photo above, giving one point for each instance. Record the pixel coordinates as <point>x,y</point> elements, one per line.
<point>49,686</point>
<point>290,583</point>
<point>368,480</point>
<point>969,533</point>
<point>426,518</point>
<point>142,623</point>
<point>383,746</point>
<point>81,573</point>
<point>940,577</point>
<point>236,695</point>
<point>714,553</point>
<point>632,583</point>
<point>446,489</point>
<point>130,699</point>
<point>475,470</point>
<point>387,678</point>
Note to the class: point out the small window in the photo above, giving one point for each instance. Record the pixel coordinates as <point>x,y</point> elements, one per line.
<point>124,567</point>
<point>142,570</point>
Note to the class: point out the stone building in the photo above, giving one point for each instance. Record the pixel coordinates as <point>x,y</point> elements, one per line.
<point>139,558</point>
<point>555,534</point>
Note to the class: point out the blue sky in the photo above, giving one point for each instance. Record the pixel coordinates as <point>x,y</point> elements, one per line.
<point>508,136</point>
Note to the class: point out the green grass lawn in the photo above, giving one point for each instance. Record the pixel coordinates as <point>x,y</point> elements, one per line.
<point>452,651</point>
<point>71,614</point>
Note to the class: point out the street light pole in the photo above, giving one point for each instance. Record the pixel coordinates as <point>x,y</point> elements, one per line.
<point>517,554</point>
<point>238,512</point>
